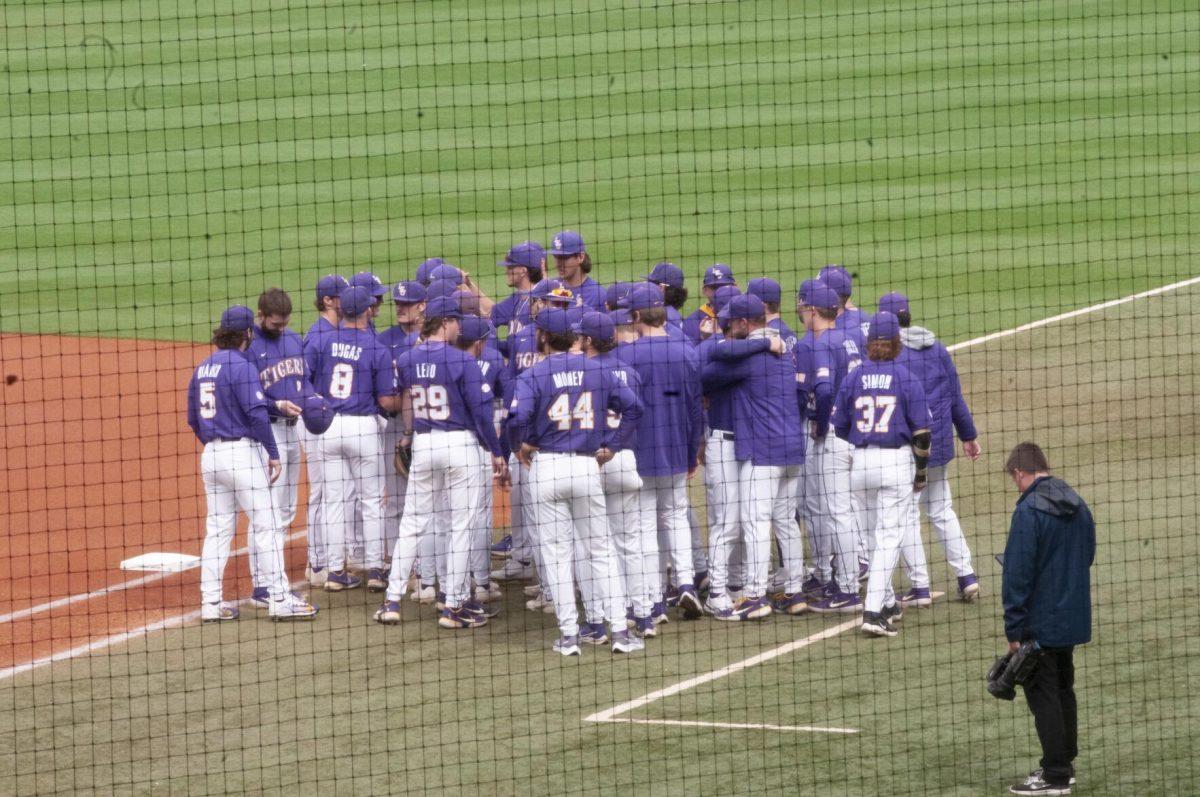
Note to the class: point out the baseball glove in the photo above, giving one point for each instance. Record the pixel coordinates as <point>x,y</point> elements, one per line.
<point>1012,670</point>
<point>402,458</point>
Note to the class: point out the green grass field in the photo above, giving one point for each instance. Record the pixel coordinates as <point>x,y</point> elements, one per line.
<point>1000,163</point>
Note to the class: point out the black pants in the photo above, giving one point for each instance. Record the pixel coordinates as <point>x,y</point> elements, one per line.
<point>1051,697</point>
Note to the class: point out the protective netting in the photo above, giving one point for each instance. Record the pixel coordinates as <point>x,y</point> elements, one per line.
<point>1014,182</point>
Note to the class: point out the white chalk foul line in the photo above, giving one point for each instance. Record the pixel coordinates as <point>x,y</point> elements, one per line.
<point>58,603</point>
<point>738,726</point>
<point>609,715</point>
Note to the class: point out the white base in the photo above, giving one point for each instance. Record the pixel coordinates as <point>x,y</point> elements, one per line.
<point>162,562</point>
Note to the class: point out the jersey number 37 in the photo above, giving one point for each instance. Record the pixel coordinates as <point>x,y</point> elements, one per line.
<point>874,413</point>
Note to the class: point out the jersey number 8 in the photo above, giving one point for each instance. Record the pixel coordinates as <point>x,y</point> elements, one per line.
<point>561,413</point>
<point>430,403</point>
<point>341,382</point>
<point>868,407</point>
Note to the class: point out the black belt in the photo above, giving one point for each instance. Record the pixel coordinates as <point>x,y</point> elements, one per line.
<point>723,435</point>
<point>285,421</point>
<point>588,454</point>
<point>228,439</point>
<point>882,448</point>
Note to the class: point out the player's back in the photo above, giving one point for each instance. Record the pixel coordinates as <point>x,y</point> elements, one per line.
<point>843,351</point>
<point>855,323</point>
<point>881,404</point>
<point>766,410</point>
<point>351,369</point>
<point>223,388</point>
<point>671,424</point>
<point>719,410</point>
<point>438,377</point>
<point>566,398</point>
<point>930,363</point>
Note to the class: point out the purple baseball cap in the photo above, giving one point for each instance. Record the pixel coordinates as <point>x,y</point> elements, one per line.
<point>423,270</point>
<point>527,254</point>
<point>722,295</point>
<point>568,242</point>
<point>575,314</point>
<point>621,317</point>
<point>718,274</point>
<point>893,303</point>
<point>552,290</point>
<point>884,326</point>
<point>837,278</point>
<point>441,288</point>
<point>316,413</point>
<point>475,328</point>
<point>666,274</point>
<point>365,279</point>
<point>356,300</point>
<point>554,320</point>
<point>766,289</point>
<point>331,285</point>
<point>238,318</point>
<point>443,307</point>
<point>744,305</point>
<point>408,292</point>
<point>819,295</point>
<point>643,296</point>
<point>446,272</point>
<point>595,325</point>
<point>617,293</point>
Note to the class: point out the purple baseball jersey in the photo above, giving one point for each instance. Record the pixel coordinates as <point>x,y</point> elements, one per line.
<point>351,369</point>
<point>280,365</point>
<point>630,379</point>
<point>931,365</point>
<point>881,404</point>
<point>512,312</point>
<point>854,322</point>
<point>562,405</point>
<point>449,392</point>
<point>226,401</point>
<point>836,350</point>
<point>672,424</point>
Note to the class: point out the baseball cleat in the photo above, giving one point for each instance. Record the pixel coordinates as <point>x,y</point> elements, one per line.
<point>644,627</point>
<point>658,613</point>
<point>513,570</point>
<point>292,608</point>
<point>531,590</point>
<point>459,618</point>
<point>625,642</point>
<point>439,600</point>
<point>892,613</point>
<point>539,603</point>
<point>218,612</point>
<point>917,597</point>
<point>426,594</point>
<point>875,625</point>
<point>486,593</point>
<point>671,597</point>
<point>485,609</point>
<point>838,603</point>
<point>864,570</point>
<point>1036,784</point>
<point>690,603</point>
<point>812,585</point>
<point>340,580</point>
<point>593,634</point>
<point>747,608</point>
<point>702,582</point>
<point>503,548</point>
<point>968,588</point>
<point>260,598</point>
<point>388,613</point>
<point>315,576</point>
<point>1039,773</point>
<point>377,580</point>
<point>567,646</point>
<point>789,602</point>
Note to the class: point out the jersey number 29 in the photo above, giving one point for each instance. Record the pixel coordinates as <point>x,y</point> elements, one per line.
<point>430,403</point>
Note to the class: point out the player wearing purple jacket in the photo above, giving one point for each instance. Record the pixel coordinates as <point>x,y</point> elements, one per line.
<point>227,411</point>
<point>559,414</point>
<point>447,407</point>
<point>667,445</point>
<point>929,361</point>
<point>277,353</point>
<point>357,377</point>
<point>881,410</point>
<point>769,447</point>
<point>837,352</point>
<point>329,288</point>
<point>703,321</point>
<point>850,319</point>
<point>574,264</point>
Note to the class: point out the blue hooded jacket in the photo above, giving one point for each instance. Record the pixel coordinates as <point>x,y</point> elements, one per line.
<point>1046,586</point>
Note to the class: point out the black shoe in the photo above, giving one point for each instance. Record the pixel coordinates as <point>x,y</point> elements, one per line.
<point>875,625</point>
<point>1039,772</point>
<point>892,613</point>
<point>1034,784</point>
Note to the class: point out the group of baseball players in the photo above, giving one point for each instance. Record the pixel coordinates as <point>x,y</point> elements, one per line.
<point>595,406</point>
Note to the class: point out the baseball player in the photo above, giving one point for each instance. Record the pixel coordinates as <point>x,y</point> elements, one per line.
<point>614,296</point>
<point>666,447</point>
<point>850,319</point>
<point>669,278</point>
<point>836,351</point>
<point>524,266</point>
<point>929,361</point>
<point>277,353</point>
<point>768,445</point>
<point>329,289</point>
<point>357,376</point>
<point>450,407</point>
<point>559,414</point>
<point>703,322</point>
<point>409,301</point>
<point>574,264</point>
<point>769,291</point>
<point>228,412</point>
<point>881,410</point>
<point>424,273</point>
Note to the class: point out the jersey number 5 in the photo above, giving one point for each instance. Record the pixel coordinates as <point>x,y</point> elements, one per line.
<point>875,413</point>
<point>208,400</point>
<point>561,412</point>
